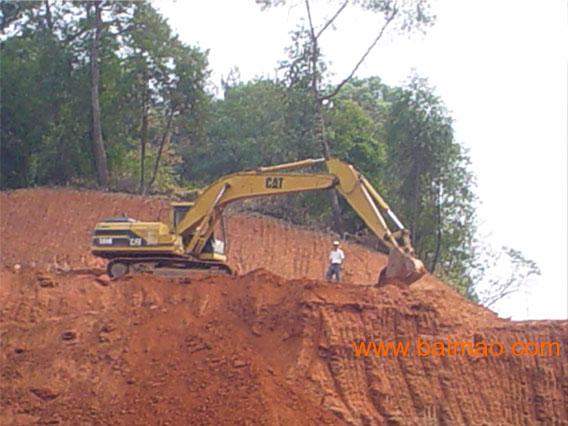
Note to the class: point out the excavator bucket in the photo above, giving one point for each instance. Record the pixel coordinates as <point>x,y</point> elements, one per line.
<point>402,268</point>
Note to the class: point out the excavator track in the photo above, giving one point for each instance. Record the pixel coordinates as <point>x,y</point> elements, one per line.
<point>121,266</point>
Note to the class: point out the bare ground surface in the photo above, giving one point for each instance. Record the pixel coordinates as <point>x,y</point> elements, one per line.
<point>271,346</point>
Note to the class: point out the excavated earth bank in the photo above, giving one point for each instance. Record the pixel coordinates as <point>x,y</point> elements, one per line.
<point>271,346</point>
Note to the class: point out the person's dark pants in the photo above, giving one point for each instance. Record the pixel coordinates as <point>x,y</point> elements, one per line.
<point>334,270</point>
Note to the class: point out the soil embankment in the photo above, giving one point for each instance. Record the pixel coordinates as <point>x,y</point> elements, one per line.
<point>271,346</point>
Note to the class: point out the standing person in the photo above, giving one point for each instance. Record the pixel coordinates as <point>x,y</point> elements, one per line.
<point>336,257</point>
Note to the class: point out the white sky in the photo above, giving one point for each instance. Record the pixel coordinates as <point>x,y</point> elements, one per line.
<point>501,67</point>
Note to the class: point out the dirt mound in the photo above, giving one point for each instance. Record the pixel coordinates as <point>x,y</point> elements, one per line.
<point>259,348</point>
<point>76,351</point>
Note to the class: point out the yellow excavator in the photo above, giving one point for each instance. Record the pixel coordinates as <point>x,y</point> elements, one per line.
<point>190,243</point>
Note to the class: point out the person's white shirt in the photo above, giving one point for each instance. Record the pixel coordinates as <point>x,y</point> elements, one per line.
<point>336,256</point>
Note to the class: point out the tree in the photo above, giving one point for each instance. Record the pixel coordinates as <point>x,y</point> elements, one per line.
<point>97,133</point>
<point>356,139</point>
<point>103,74</point>
<point>501,273</point>
<point>80,31</point>
<point>306,58</point>
<point>149,43</point>
<point>184,100</point>
<point>245,130</point>
<point>167,84</point>
<point>430,182</point>
<point>41,134</point>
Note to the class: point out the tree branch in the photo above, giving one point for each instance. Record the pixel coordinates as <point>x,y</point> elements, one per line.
<point>314,56</point>
<point>328,23</point>
<point>438,228</point>
<point>492,300</point>
<point>312,33</point>
<point>72,37</point>
<point>350,76</point>
<point>165,137</point>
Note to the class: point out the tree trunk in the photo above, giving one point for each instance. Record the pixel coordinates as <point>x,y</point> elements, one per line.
<point>165,137</point>
<point>97,134</point>
<point>438,228</point>
<point>414,204</point>
<point>319,132</point>
<point>48,16</point>
<point>144,133</point>
<point>319,128</point>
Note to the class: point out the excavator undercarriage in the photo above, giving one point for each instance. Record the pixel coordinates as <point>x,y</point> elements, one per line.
<point>121,266</point>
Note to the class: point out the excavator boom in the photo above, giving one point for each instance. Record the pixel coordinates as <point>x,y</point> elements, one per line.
<point>198,224</point>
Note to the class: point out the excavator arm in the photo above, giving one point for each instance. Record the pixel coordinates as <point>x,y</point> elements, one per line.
<point>198,224</point>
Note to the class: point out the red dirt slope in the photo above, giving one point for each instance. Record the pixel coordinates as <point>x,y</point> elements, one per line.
<point>255,349</point>
<point>40,227</point>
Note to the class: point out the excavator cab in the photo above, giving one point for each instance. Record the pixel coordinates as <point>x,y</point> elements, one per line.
<point>179,210</point>
<point>213,249</point>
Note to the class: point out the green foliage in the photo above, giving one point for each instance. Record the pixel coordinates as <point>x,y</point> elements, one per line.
<point>42,139</point>
<point>46,108</point>
<point>371,95</point>
<point>355,138</point>
<point>430,183</point>
<point>245,131</point>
